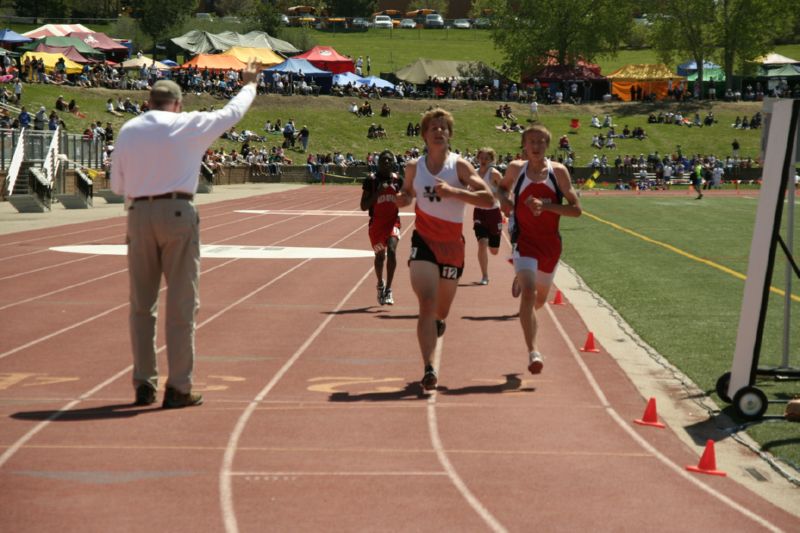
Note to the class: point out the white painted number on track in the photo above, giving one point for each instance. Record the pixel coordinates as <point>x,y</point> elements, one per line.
<point>332,384</point>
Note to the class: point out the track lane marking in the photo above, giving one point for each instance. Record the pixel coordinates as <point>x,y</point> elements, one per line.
<point>666,461</point>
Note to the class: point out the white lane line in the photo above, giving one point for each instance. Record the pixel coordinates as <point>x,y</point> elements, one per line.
<point>120,306</point>
<point>340,474</point>
<point>14,448</point>
<point>55,415</point>
<point>691,478</point>
<point>225,486</point>
<point>441,455</point>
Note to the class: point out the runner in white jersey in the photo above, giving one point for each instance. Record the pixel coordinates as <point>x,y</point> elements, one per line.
<point>488,223</point>
<point>442,183</point>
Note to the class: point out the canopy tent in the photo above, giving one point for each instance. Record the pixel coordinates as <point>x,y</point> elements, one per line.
<point>169,63</point>
<point>138,62</point>
<point>422,69</point>
<point>568,73</point>
<point>653,79</point>
<point>203,42</point>
<point>374,81</point>
<point>264,56</point>
<point>214,62</point>
<point>784,71</point>
<point>690,67</point>
<point>346,77</point>
<point>67,51</point>
<point>64,42</point>
<point>50,61</point>
<point>56,30</point>
<point>295,67</point>
<point>775,59</point>
<point>551,60</point>
<point>104,43</point>
<point>326,58</point>
<point>12,37</point>
<point>717,73</point>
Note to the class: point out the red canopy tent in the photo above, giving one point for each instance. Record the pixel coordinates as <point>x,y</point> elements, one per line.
<point>104,43</point>
<point>67,51</point>
<point>326,58</point>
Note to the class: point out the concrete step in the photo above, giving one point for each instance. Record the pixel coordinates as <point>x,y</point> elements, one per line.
<point>28,203</point>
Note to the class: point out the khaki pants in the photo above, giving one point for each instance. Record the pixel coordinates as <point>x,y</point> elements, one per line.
<point>163,238</point>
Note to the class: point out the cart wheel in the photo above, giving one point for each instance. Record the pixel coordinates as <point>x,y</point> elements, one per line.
<point>722,387</point>
<point>750,403</point>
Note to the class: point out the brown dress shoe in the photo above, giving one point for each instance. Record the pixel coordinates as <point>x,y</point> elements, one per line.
<point>174,399</point>
<point>145,395</point>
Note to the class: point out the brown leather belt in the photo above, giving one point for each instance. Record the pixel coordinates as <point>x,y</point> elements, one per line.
<point>166,196</point>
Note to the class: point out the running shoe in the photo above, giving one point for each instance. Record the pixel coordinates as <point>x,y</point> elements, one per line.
<point>516,290</point>
<point>388,299</point>
<point>484,280</point>
<point>536,362</point>
<point>429,380</point>
<point>381,289</point>
<point>440,327</point>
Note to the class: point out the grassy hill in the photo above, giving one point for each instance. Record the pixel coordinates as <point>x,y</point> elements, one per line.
<point>334,129</point>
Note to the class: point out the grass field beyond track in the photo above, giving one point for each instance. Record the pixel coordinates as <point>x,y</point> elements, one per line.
<point>685,308</point>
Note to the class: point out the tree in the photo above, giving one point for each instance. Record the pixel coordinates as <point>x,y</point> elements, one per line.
<point>159,19</point>
<point>479,7</point>
<point>266,16</point>
<point>234,7</point>
<point>352,8</point>
<point>42,8</point>
<point>684,27</point>
<point>749,28</point>
<point>528,32</point>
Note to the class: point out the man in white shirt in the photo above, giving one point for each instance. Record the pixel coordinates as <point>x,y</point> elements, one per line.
<point>155,165</point>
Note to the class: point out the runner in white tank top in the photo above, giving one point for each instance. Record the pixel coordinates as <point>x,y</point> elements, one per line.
<point>488,223</point>
<point>442,184</point>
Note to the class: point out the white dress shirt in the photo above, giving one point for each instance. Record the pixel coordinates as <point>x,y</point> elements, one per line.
<point>160,152</point>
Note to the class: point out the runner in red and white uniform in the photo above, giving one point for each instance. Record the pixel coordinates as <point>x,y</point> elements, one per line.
<point>488,223</point>
<point>379,196</point>
<point>537,187</point>
<point>442,183</point>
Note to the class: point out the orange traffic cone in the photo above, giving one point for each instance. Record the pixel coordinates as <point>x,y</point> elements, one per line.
<point>558,300</point>
<point>589,345</point>
<point>708,462</point>
<point>650,417</point>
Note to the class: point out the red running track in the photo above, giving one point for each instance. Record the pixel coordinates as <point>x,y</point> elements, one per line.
<point>313,417</point>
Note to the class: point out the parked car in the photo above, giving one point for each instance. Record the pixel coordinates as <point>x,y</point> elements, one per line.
<point>284,20</point>
<point>204,16</point>
<point>461,24</point>
<point>434,20</point>
<point>482,23</point>
<point>408,24</point>
<point>232,20</point>
<point>359,22</point>
<point>382,21</point>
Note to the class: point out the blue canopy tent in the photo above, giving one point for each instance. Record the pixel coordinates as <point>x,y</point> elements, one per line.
<point>169,62</point>
<point>374,81</point>
<point>295,67</point>
<point>12,37</point>
<point>690,67</point>
<point>345,78</point>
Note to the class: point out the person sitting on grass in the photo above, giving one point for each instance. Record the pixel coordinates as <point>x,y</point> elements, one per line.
<point>110,108</point>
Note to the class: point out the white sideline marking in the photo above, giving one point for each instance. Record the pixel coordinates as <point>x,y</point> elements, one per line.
<point>691,478</point>
<point>325,213</point>
<point>216,251</point>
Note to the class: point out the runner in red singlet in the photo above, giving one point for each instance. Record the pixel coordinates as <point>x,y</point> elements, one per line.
<point>379,195</point>
<point>537,187</point>
<point>488,223</point>
<point>442,183</point>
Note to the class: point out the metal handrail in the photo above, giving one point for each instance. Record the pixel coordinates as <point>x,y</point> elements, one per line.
<point>16,162</point>
<point>52,159</point>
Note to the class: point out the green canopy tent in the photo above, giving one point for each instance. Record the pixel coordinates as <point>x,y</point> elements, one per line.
<point>65,42</point>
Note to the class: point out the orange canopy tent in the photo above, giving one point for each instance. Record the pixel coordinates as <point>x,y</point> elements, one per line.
<point>214,62</point>
<point>264,56</point>
<point>653,79</point>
